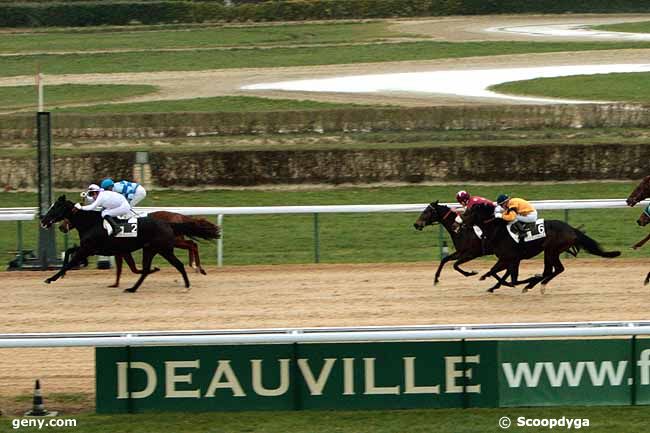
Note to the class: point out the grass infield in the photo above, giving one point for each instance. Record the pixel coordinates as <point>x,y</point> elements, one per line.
<point>630,87</point>
<point>21,97</point>
<point>223,104</point>
<point>357,238</point>
<point>191,36</point>
<point>638,27</point>
<point>196,60</point>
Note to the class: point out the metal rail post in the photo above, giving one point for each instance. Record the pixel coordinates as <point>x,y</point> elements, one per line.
<point>316,239</point>
<point>20,244</point>
<point>566,220</point>
<point>220,241</point>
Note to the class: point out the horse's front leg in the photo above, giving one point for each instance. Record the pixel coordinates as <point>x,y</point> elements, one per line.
<point>444,260</point>
<point>465,259</point>
<point>76,259</point>
<point>498,266</point>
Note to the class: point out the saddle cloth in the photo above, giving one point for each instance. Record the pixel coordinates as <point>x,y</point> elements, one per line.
<point>128,227</point>
<point>533,231</point>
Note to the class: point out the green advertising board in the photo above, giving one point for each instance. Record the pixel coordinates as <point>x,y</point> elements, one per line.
<point>374,375</point>
<point>296,376</point>
<point>568,372</point>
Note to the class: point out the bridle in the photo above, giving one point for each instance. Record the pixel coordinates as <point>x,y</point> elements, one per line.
<point>433,209</point>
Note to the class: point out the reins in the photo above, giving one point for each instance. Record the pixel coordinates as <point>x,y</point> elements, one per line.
<point>449,212</point>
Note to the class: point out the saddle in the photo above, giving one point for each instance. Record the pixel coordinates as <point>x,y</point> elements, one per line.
<point>127,227</point>
<point>533,231</point>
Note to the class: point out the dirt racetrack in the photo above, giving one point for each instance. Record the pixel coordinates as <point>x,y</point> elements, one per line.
<point>291,296</point>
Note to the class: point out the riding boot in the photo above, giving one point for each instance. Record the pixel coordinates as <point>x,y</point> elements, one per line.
<point>113,224</point>
<point>520,229</point>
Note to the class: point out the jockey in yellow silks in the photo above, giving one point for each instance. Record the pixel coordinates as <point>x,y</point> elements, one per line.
<point>515,209</point>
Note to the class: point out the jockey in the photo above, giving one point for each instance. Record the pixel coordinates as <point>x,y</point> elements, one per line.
<point>467,201</point>
<point>133,192</point>
<point>515,209</point>
<point>113,204</point>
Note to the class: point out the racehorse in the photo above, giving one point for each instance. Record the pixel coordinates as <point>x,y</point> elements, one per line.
<point>181,242</point>
<point>153,237</point>
<point>643,220</point>
<point>560,237</point>
<point>467,243</point>
<point>640,193</point>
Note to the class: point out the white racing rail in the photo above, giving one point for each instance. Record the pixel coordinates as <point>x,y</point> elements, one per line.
<point>15,214</point>
<point>328,335</point>
<point>26,214</point>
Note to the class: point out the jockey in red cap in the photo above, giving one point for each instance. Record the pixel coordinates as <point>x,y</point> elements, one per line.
<point>468,201</point>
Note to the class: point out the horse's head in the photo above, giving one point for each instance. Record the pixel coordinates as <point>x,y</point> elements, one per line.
<point>641,192</point>
<point>432,214</point>
<point>57,212</point>
<point>644,218</point>
<point>478,215</point>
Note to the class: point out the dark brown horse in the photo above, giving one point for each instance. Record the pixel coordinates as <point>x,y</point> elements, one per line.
<point>180,242</point>
<point>153,237</point>
<point>467,243</point>
<point>560,237</point>
<point>640,193</point>
<point>643,221</point>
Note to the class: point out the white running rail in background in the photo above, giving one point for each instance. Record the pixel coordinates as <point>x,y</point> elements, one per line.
<point>27,214</point>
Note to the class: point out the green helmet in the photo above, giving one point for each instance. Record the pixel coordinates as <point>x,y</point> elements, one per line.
<point>502,197</point>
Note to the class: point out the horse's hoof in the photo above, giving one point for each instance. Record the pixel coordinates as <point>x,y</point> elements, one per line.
<point>48,281</point>
<point>130,290</point>
<point>202,271</point>
<point>154,270</point>
<point>645,283</point>
<point>482,278</point>
<point>112,286</point>
<point>471,273</point>
<point>524,290</point>
<point>490,290</point>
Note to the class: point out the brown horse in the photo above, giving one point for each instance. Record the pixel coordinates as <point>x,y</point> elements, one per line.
<point>640,193</point>
<point>643,220</point>
<point>559,237</point>
<point>180,242</point>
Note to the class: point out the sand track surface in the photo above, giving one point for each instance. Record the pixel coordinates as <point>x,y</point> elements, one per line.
<point>292,296</point>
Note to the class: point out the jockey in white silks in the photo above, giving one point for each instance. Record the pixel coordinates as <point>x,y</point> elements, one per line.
<point>112,204</point>
<point>132,191</point>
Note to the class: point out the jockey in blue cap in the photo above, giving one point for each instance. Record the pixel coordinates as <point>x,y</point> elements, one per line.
<point>132,191</point>
<point>515,211</point>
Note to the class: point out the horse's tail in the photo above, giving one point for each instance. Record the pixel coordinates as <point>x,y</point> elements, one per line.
<point>591,246</point>
<point>197,228</point>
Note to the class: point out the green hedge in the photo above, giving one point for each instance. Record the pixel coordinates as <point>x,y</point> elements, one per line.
<point>161,12</point>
